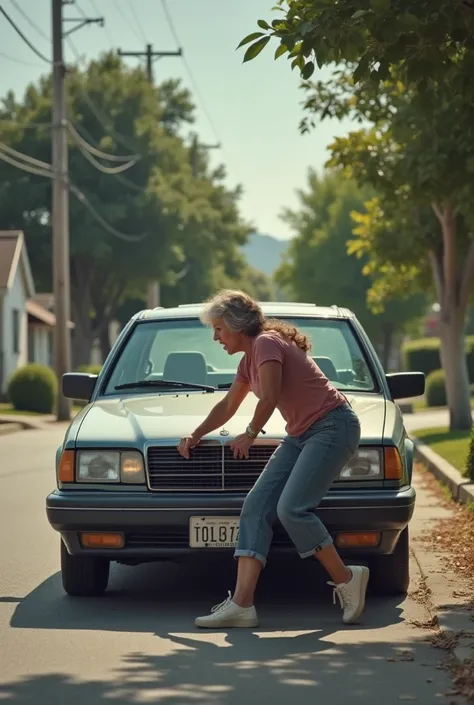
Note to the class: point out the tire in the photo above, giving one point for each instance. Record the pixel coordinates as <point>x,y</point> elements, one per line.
<point>390,575</point>
<point>83,576</point>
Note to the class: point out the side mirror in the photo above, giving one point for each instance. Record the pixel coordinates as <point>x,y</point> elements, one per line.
<point>78,385</point>
<point>405,385</point>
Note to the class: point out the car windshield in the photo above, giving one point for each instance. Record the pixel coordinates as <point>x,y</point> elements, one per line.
<point>183,350</point>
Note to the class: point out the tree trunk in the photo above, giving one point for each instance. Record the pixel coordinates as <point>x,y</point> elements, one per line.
<point>83,335</point>
<point>453,358</point>
<point>387,345</point>
<point>453,282</point>
<point>104,340</point>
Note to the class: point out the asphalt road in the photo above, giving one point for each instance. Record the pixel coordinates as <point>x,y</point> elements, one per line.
<point>139,645</point>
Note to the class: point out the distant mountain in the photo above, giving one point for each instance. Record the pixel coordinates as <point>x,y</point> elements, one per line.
<point>264,252</point>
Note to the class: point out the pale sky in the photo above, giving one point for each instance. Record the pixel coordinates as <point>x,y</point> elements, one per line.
<point>254,108</point>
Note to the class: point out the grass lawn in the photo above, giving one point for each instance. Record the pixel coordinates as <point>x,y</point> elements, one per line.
<point>8,409</point>
<point>420,405</point>
<point>453,446</point>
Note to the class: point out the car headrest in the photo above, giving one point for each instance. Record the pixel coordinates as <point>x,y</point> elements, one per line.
<point>327,367</point>
<point>186,366</point>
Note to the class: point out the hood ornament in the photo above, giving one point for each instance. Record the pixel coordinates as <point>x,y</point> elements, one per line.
<point>223,432</point>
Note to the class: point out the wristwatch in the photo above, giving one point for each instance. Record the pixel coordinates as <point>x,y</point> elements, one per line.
<point>250,432</point>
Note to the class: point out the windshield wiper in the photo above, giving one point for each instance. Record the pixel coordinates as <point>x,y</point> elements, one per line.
<point>225,385</point>
<point>164,383</point>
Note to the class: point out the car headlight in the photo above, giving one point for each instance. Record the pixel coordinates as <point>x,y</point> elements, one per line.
<point>110,467</point>
<point>365,464</point>
<point>132,470</point>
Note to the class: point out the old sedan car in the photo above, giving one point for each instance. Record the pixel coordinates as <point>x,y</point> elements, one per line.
<point>125,494</point>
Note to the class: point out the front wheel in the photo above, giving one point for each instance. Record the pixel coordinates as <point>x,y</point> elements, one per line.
<point>390,575</point>
<point>84,576</point>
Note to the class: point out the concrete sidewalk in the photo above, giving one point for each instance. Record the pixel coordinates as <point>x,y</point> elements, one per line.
<point>12,423</point>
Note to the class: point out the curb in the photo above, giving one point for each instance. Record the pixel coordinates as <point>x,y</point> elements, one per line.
<point>461,488</point>
<point>452,622</point>
<point>7,428</point>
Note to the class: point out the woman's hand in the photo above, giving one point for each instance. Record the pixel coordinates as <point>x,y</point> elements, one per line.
<point>186,444</point>
<point>241,446</point>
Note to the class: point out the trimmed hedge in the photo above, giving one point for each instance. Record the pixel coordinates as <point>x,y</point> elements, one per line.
<point>470,460</point>
<point>435,390</point>
<point>33,388</point>
<point>423,355</point>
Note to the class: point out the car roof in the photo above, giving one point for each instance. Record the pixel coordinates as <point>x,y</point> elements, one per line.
<point>273,309</point>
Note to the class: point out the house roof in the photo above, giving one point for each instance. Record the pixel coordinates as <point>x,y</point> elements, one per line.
<point>45,300</point>
<point>40,313</point>
<point>13,255</point>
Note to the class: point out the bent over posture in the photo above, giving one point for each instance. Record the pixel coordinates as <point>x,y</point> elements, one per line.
<point>323,433</point>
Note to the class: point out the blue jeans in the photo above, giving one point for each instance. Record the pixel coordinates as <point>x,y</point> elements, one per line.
<point>294,482</point>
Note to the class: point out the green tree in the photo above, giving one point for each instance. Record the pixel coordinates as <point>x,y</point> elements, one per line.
<point>418,155</point>
<point>319,268</point>
<point>426,40</point>
<point>160,214</point>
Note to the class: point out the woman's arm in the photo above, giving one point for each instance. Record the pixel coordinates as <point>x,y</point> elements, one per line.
<point>223,410</point>
<point>269,375</point>
<point>218,416</point>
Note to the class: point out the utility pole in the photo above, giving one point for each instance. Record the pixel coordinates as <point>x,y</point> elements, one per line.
<point>61,284</point>
<point>60,211</point>
<point>195,146</point>
<point>149,54</point>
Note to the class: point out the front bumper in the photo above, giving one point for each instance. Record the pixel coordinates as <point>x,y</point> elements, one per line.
<point>156,526</point>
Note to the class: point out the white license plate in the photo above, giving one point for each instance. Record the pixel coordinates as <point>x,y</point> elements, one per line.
<point>213,532</point>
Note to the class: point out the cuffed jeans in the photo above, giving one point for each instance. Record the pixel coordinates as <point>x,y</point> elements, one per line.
<point>294,482</point>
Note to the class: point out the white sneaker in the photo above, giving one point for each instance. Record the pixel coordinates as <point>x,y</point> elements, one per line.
<point>228,614</point>
<point>352,594</point>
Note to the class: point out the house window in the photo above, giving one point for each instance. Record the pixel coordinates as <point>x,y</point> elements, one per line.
<point>31,343</point>
<point>16,330</point>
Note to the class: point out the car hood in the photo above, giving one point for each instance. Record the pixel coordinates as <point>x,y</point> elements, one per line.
<point>130,421</point>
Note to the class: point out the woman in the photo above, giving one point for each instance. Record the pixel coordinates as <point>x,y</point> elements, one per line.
<point>323,432</point>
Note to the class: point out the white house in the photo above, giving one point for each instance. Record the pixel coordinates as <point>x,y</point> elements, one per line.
<point>26,326</point>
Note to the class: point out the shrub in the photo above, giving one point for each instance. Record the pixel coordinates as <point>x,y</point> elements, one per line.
<point>423,355</point>
<point>435,389</point>
<point>90,369</point>
<point>33,388</point>
<point>470,459</point>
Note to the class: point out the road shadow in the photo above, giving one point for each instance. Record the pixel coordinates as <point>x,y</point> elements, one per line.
<point>248,667</point>
<point>292,594</point>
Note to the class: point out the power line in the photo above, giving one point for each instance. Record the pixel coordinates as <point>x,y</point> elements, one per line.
<point>20,155</point>
<point>81,11</point>
<point>189,71</point>
<point>95,214</point>
<point>25,125</point>
<point>100,116</point>
<point>107,33</point>
<point>139,24</point>
<point>127,22</point>
<point>25,39</point>
<point>48,173</point>
<point>98,152</point>
<point>19,61</point>
<point>30,22</point>
<point>119,177</point>
<point>24,167</point>
<point>100,167</point>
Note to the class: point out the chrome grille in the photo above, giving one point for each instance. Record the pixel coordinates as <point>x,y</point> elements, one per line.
<point>211,467</point>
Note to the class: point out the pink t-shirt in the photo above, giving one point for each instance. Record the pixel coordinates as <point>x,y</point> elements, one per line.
<point>306,394</point>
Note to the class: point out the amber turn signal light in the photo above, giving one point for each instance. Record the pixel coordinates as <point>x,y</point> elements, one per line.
<point>66,466</point>
<point>369,539</point>
<point>97,540</point>
<point>393,464</point>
